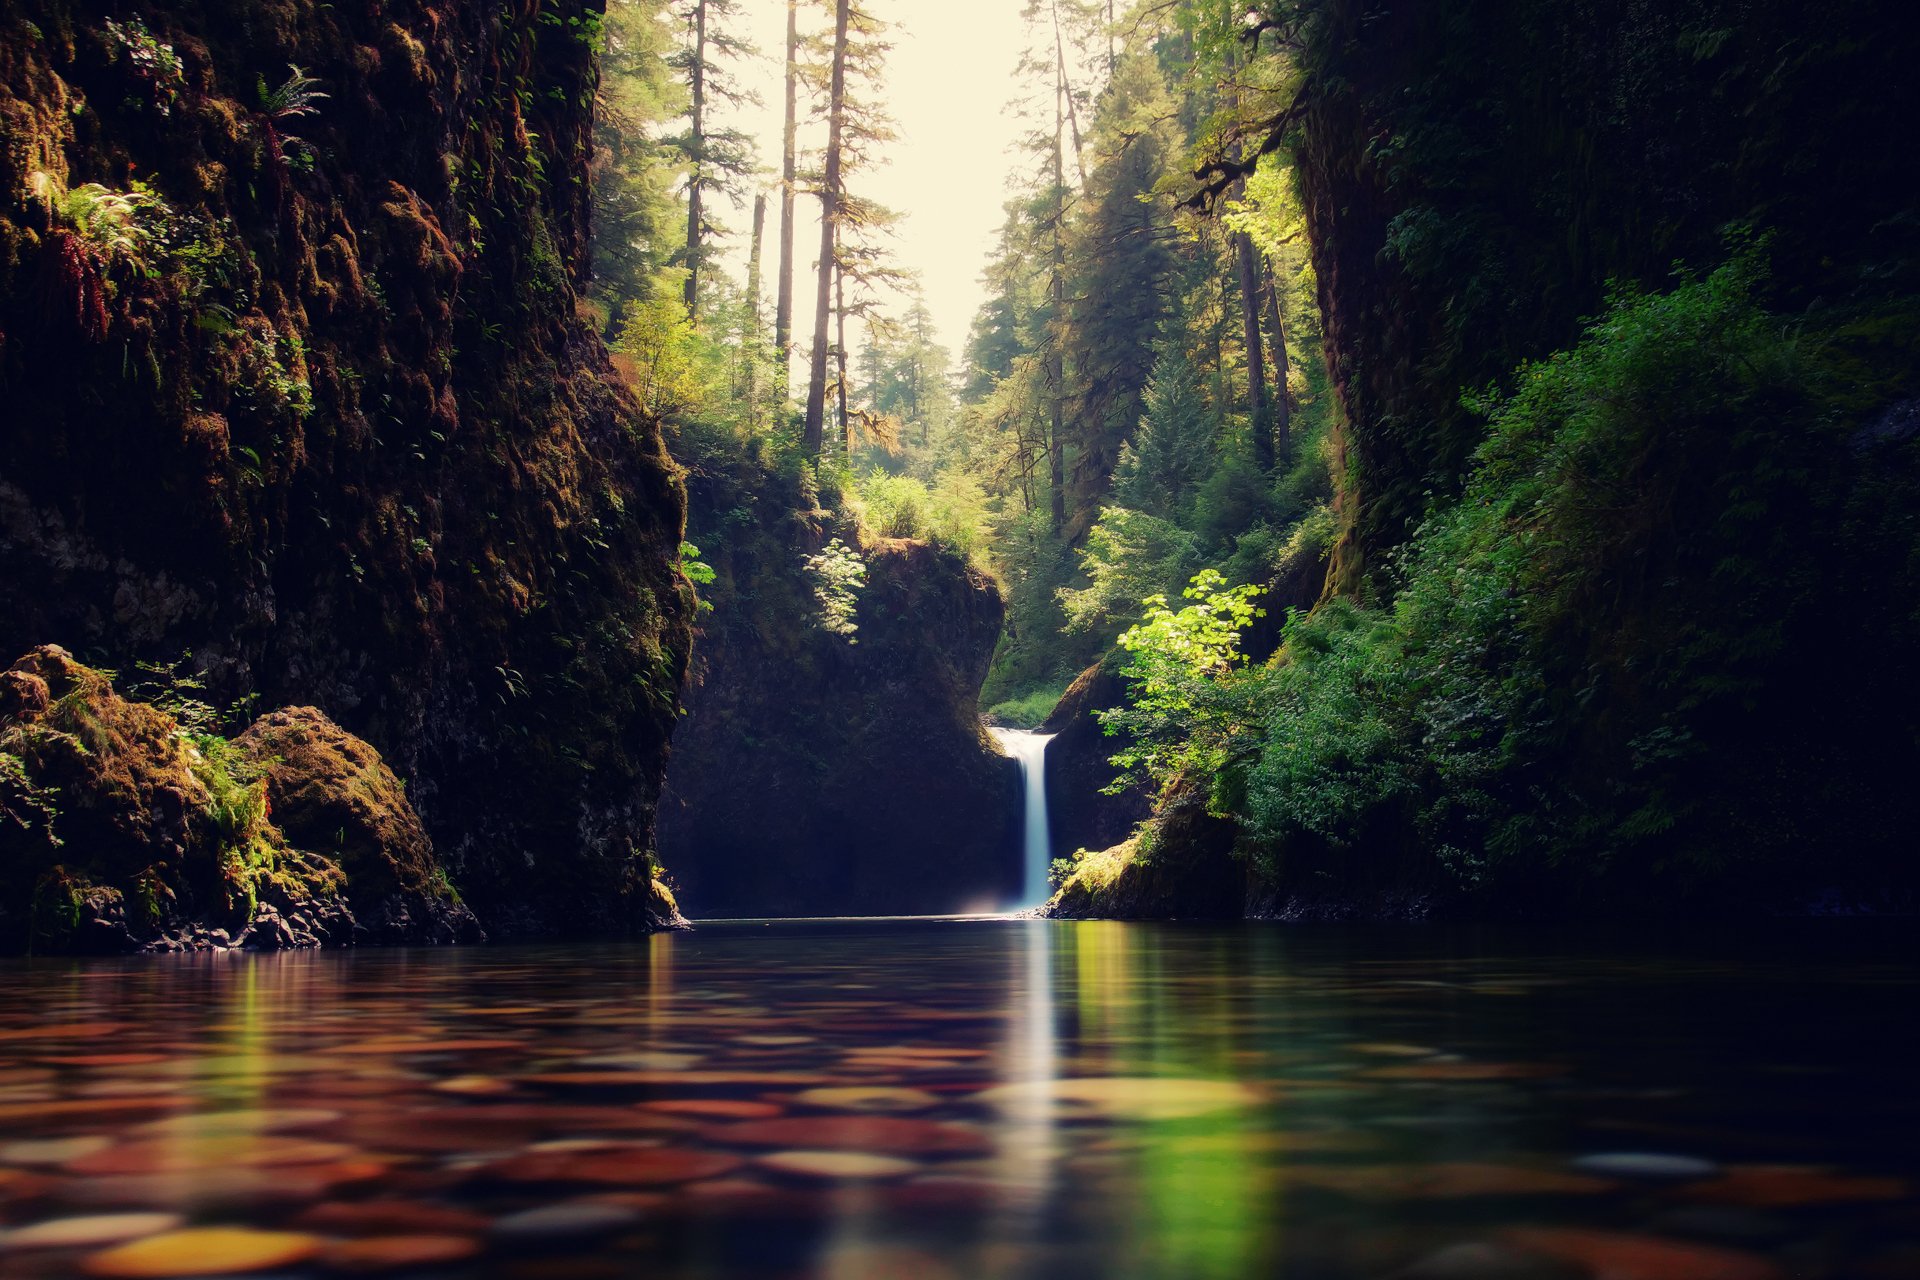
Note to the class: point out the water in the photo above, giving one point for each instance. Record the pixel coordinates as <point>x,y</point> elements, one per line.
<point>998,1098</point>
<point>1030,749</point>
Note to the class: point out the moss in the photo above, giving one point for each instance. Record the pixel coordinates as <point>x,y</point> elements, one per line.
<point>254,422</point>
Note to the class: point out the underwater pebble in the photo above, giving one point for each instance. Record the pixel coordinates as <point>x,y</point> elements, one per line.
<point>870,1098</point>
<point>888,1135</point>
<point>556,1224</point>
<point>837,1166</point>
<point>375,1254</point>
<point>53,1150</point>
<point>203,1251</point>
<point>91,1232</point>
<point>1646,1165</point>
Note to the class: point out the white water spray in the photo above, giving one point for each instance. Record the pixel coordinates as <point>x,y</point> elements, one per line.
<point>1030,749</point>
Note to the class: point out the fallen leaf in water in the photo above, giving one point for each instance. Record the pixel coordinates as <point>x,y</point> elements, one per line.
<point>63,1031</point>
<point>1392,1050</point>
<point>622,1167</point>
<point>229,1123</point>
<point>203,1251</point>
<point>1127,1097</point>
<point>380,1048</point>
<point>1610,1255</point>
<point>712,1108</point>
<point>871,1098</point>
<point>182,1154</point>
<point>837,1166</point>
<point>889,1135</point>
<point>389,1217</point>
<point>53,1150</point>
<point>90,1232</point>
<point>473,1086</point>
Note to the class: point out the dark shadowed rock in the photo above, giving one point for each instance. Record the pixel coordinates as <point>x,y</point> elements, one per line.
<point>821,774</point>
<point>1079,765</point>
<point>345,435</point>
<point>1180,865</point>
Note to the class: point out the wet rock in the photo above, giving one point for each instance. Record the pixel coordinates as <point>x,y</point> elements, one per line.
<point>1080,765</point>
<point>138,835</point>
<point>897,714</point>
<point>1182,866</point>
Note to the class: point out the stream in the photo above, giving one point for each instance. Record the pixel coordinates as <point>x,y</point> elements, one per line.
<point>972,1097</point>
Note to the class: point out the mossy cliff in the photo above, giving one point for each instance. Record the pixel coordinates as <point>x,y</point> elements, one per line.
<point>1619,619</point>
<point>295,381</point>
<point>823,770</point>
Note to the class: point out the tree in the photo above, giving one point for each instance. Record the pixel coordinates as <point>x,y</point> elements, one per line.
<point>718,160</point>
<point>783,304</point>
<point>634,165</point>
<point>816,420</point>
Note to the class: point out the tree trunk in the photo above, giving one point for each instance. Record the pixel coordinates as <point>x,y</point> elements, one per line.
<point>1246,268</point>
<point>829,227</point>
<point>783,304</point>
<point>697,144</point>
<point>750,340</point>
<point>840,356</point>
<point>1282,394</point>
<point>1066,88</point>
<point>1057,295</point>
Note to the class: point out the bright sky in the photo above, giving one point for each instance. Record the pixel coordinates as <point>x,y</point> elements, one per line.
<point>949,79</point>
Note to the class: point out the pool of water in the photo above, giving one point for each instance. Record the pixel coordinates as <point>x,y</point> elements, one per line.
<point>973,1098</point>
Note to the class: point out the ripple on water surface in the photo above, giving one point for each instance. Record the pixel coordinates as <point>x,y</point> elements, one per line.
<point>966,1098</point>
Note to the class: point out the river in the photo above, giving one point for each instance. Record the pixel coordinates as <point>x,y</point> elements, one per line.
<point>965,1098</point>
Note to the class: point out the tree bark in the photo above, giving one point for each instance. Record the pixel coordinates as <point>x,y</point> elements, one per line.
<point>1282,394</point>
<point>697,143</point>
<point>816,420</point>
<point>750,340</point>
<point>840,356</point>
<point>1246,268</point>
<point>783,304</point>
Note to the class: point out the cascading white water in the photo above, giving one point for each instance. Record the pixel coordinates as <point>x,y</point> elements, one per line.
<point>1030,749</point>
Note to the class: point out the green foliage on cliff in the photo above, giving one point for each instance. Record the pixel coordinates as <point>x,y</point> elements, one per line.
<point>1569,676</point>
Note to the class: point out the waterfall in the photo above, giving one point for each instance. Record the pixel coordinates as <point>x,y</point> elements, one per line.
<point>1030,749</point>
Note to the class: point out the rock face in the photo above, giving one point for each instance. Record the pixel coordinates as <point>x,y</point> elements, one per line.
<point>294,381</point>
<point>1179,866</point>
<point>120,829</point>
<point>825,774</point>
<point>1079,768</point>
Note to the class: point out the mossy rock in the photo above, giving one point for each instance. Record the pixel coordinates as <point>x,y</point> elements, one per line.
<point>332,795</point>
<point>120,830</point>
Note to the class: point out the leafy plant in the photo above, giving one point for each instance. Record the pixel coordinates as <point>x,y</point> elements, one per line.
<point>837,574</point>
<point>151,60</point>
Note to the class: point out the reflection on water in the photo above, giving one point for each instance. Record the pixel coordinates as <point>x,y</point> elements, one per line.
<point>980,1098</point>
